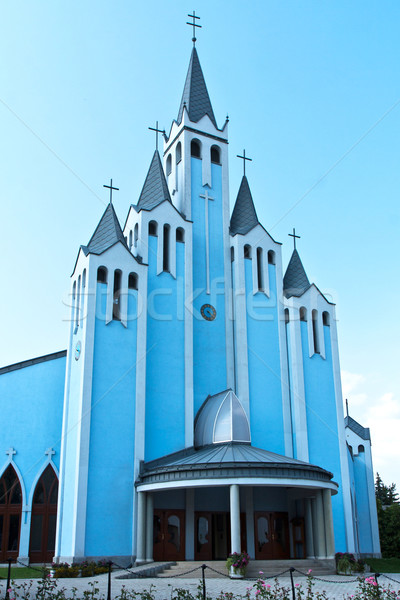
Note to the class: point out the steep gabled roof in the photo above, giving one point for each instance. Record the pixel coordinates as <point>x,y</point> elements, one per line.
<point>362,432</point>
<point>244,216</point>
<point>108,232</point>
<point>155,189</point>
<point>195,95</point>
<point>295,281</point>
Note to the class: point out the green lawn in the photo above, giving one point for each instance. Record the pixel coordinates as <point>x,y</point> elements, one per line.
<point>20,573</point>
<point>384,565</point>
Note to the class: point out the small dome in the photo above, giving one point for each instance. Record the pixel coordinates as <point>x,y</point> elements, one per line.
<point>221,419</point>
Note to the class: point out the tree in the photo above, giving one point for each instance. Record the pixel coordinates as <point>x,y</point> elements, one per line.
<point>388,507</point>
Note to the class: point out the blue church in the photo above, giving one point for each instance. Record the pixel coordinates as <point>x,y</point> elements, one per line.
<point>198,407</point>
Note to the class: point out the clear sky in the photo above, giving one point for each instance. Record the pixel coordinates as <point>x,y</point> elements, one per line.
<point>312,92</point>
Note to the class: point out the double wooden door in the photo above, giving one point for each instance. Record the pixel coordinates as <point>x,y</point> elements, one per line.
<point>271,535</point>
<point>213,535</point>
<point>10,514</point>
<point>168,535</point>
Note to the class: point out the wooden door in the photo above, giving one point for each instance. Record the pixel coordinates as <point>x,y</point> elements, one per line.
<point>203,533</point>
<point>271,535</point>
<point>169,535</point>
<point>44,516</point>
<point>10,514</point>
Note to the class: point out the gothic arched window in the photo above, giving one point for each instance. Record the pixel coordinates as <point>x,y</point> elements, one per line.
<point>10,514</point>
<point>260,273</point>
<point>195,149</point>
<point>247,251</point>
<point>325,318</point>
<point>166,248</point>
<point>44,515</point>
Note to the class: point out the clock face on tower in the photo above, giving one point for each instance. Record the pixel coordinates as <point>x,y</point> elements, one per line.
<point>208,312</point>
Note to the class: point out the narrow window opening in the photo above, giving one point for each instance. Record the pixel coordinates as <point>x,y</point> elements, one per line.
<point>303,314</point>
<point>247,251</point>
<point>130,239</point>
<point>166,248</point>
<point>152,228</point>
<point>136,235</point>
<point>286,316</point>
<point>195,149</point>
<point>361,449</point>
<point>232,253</point>
<point>102,275</point>
<point>215,155</point>
<point>180,235</point>
<point>117,295</point>
<point>315,331</point>
<point>133,281</point>
<point>74,291</point>
<point>78,302</point>
<point>84,279</point>
<point>325,318</point>
<point>260,278</point>
<point>271,257</point>
<point>178,153</point>
<point>169,164</point>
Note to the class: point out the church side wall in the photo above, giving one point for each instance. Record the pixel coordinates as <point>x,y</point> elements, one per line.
<point>266,412</point>
<point>363,508</point>
<point>165,373</point>
<point>323,440</point>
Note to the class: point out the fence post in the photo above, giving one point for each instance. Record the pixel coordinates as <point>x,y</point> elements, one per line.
<point>292,582</point>
<point>109,581</point>
<point>8,578</point>
<point>203,568</point>
<point>376,575</point>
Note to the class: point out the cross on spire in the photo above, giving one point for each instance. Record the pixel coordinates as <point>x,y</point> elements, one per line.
<point>294,236</point>
<point>194,25</point>
<point>111,188</point>
<point>157,132</point>
<point>244,157</point>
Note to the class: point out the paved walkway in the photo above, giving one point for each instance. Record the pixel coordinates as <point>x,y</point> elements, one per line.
<point>337,587</point>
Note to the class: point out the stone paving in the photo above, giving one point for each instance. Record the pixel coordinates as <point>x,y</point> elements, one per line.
<point>337,587</point>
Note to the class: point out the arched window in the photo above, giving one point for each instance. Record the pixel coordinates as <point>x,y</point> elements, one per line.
<point>136,235</point>
<point>260,274</point>
<point>130,239</point>
<point>117,295</point>
<point>10,514</point>
<point>152,228</point>
<point>271,257</point>
<point>195,149</point>
<point>178,153</point>
<point>286,316</point>
<point>180,235</point>
<point>44,516</point>
<point>232,253</point>
<point>133,281</point>
<point>84,279</point>
<point>247,251</point>
<point>102,275</point>
<point>74,291</point>
<point>169,164</point>
<point>315,331</point>
<point>361,449</point>
<point>303,313</point>
<point>325,318</point>
<point>166,248</point>
<point>78,302</point>
<point>215,155</point>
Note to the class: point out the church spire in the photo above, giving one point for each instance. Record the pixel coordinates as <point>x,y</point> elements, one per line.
<point>195,95</point>
<point>244,216</point>
<point>295,281</point>
<point>108,232</point>
<point>155,189</point>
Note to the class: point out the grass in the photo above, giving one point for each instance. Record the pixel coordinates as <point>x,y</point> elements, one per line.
<point>384,565</point>
<point>21,573</point>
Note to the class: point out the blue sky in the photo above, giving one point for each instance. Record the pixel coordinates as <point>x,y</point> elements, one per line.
<point>312,92</point>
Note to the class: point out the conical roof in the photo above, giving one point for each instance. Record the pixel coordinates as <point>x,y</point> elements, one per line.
<point>195,94</point>
<point>295,281</point>
<point>108,232</point>
<point>155,189</point>
<point>244,216</point>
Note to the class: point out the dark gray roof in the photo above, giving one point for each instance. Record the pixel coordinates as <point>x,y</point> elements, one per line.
<point>295,281</point>
<point>244,216</point>
<point>33,361</point>
<point>231,459</point>
<point>155,189</point>
<point>195,94</point>
<point>361,431</point>
<point>108,232</point>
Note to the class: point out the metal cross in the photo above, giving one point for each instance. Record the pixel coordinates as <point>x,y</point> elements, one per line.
<point>111,188</point>
<point>194,25</point>
<point>11,452</point>
<point>50,452</point>
<point>244,157</point>
<point>294,236</point>
<point>157,132</point>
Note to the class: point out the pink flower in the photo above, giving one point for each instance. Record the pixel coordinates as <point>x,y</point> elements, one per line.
<point>261,572</point>
<point>309,571</point>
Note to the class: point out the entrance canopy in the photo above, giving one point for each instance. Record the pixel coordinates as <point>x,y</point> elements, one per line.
<point>231,463</point>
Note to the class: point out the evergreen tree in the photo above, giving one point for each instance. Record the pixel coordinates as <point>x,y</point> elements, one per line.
<point>388,507</point>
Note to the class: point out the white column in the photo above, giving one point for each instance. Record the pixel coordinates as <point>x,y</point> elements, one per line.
<point>235,518</point>
<point>329,535</point>
<point>141,526</point>
<point>149,527</point>
<point>320,548</point>
<point>309,529</point>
